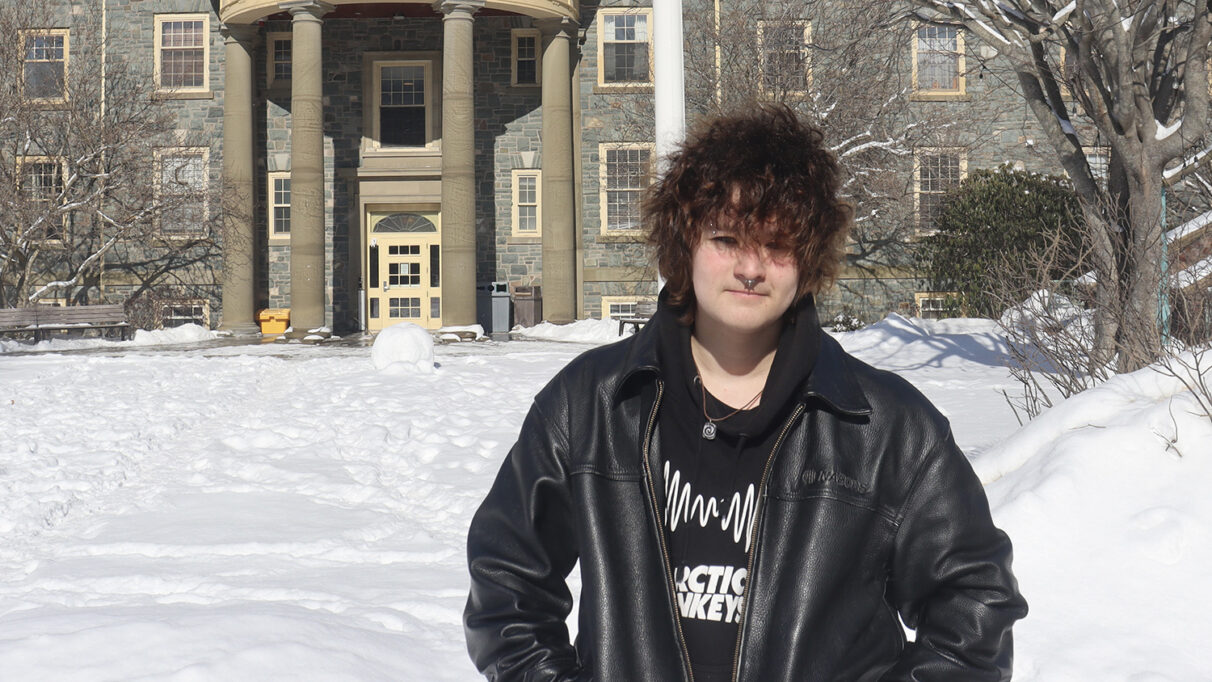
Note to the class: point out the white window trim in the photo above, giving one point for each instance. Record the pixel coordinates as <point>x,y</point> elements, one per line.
<point>607,301</point>
<point>270,222</point>
<point>1105,151</point>
<point>961,66</point>
<point>918,153</point>
<point>601,21</point>
<point>377,93</point>
<point>33,32</point>
<point>920,297</point>
<point>603,147</point>
<point>22,161</point>
<point>537,174</point>
<point>162,152</point>
<point>184,302</point>
<point>270,62</point>
<point>160,20</point>
<point>806,30</point>
<point>513,56</point>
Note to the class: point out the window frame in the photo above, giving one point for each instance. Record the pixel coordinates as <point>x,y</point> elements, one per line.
<point>918,154</point>
<point>164,152</point>
<point>602,83</point>
<point>606,301</point>
<point>158,53</point>
<point>65,33</point>
<point>805,27</point>
<point>516,203</point>
<point>603,185</point>
<point>1096,150</point>
<point>514,35</point>
<point>960,91</point>
<point>61,164</point>
<point>376,107</point>
<point>180,302</point>
<point>271,61</point>
<point>919,297</point>
<point>271,222</point>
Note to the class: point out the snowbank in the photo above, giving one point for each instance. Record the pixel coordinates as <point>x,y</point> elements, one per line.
<point>186,333</point>
<point>1106,499</point>
<point>581,331</point>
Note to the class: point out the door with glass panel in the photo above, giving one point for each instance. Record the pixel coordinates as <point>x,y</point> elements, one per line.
<point>404,269</point>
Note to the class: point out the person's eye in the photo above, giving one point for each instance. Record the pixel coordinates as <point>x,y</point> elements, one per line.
<point>724,240</point>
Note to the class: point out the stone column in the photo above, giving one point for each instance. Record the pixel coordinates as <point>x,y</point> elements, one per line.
<point>458,163</point>
<point>306,167</point>
<point>559,219</point>
<point>239,239</point>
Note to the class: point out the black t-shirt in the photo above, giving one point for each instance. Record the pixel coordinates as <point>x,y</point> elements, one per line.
<point>711,486</point>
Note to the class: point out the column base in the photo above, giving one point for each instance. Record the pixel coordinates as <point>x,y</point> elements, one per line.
<point>241,329</point>
<point>304,335</point>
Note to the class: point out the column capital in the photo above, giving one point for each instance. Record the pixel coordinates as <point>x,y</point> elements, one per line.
<point>555,27</point>
<point>315,8</point>
<point>450,7</point>
<point>239,33</point>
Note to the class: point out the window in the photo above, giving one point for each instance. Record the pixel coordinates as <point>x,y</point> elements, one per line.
<point>526,57</point>
<point>614,307</point>
<point>624,46</point>
<point>277,58</point>
<point>406,308</point>
<point>935,172</point>
<point>934,305</point>
<point>527,195</point>
<point>182,53</point>
<point>279,205</point>
<point>42,183</point>
<point>1099,160</point>
<point>625,171</point>
<point>784,51</point>
<point>44,75</point>
<point>938,61</point>
<point>189,311</point>
<point>404,116</point>
<point>182,190</point>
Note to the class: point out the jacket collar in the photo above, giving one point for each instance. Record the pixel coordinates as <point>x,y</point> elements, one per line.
<point>831,381</point>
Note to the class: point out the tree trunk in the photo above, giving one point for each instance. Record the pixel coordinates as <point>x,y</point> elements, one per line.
<point>1140,337</point>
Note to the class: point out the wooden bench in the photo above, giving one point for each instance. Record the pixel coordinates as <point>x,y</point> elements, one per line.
<point>643,312</point>
<point>38,320</point>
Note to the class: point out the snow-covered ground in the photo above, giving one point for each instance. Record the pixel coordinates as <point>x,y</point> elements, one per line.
<point>180,508</point>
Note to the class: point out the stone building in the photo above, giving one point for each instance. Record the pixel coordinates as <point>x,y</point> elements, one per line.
<point>380,160</point>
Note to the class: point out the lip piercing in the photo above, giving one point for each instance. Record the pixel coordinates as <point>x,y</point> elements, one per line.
<point>749,284</point>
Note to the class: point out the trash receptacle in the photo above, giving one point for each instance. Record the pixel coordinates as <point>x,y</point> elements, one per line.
<point>527,305</point>
<point>274,320</point>
<point>493,310</point>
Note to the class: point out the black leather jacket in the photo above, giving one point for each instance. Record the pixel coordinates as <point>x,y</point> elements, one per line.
<point>867,510</point>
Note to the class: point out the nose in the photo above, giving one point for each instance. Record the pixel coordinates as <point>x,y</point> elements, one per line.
<point>749,267</point>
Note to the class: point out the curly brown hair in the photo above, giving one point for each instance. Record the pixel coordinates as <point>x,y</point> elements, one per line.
<point>769,176</point>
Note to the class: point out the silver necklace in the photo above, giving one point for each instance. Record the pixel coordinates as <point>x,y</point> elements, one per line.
<point>709,425</point>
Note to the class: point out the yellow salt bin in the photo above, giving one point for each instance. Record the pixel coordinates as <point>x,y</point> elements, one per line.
<point>274,320</point>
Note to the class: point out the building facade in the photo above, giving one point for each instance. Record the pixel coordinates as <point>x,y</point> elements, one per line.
<point>377,162</point>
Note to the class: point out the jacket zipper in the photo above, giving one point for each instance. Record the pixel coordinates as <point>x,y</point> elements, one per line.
<point>753,540</point>
<point>677,620</point>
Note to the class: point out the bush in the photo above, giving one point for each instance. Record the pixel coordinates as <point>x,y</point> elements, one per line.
<point>996,227</point>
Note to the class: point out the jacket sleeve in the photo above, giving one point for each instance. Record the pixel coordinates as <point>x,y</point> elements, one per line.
<point>951,579</point>
<point>520,549</point>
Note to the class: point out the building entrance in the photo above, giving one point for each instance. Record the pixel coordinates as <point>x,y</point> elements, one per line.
<point>404,268</point>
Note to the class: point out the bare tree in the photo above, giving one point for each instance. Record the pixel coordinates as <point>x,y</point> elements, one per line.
<point>1136,72</point>
<point>88,170</point>
<point>844,66</point>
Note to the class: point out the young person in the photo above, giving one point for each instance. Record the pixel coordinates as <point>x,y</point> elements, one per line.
<point>746,500</point>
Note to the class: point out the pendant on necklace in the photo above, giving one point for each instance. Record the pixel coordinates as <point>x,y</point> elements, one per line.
<point>709,430</point>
